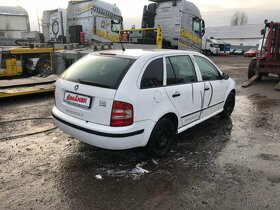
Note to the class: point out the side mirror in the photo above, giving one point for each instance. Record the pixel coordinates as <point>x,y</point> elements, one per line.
<point>225,76</point>
<point>202,27</point>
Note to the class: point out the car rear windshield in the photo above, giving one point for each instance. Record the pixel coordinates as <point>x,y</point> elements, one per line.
<point>101,71</point>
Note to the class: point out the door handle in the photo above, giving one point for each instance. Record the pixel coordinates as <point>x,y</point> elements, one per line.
<point>176,94</point>
<point>206,88</point>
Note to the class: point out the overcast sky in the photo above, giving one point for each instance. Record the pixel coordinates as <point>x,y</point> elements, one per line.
<point>214,12</point>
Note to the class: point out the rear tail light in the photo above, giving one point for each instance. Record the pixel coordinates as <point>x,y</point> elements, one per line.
<point>122,114</point>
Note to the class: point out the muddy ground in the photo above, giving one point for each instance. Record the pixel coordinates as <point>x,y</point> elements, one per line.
<point>220,164</point>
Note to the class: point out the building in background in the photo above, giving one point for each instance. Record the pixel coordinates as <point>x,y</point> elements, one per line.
<point>13,21</point>
<point>243,37</point>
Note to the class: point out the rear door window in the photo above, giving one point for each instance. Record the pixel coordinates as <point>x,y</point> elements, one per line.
<point>102,71</point>
<point>153,75</point>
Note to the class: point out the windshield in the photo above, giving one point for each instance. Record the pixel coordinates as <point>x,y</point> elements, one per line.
<point>116,26</point>
<point>101,71</point>
<point>215,45</point>
<point>197,25</point>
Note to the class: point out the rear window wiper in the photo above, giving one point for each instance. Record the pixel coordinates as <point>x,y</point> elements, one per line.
<point>87,82</point>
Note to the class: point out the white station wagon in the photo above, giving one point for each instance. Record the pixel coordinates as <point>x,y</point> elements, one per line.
<point>137,98</point>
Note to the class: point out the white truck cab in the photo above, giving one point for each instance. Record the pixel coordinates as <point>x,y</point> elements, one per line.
<point>210,46</point>
<point>83,21</point>
<point>180,21</point>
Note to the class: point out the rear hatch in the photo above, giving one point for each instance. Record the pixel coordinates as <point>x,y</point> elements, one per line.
<point>87,89</point>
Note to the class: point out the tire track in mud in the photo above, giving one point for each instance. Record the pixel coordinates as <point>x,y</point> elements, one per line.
<point>25,127</point>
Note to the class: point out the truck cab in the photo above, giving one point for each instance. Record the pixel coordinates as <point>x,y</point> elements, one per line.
<point>85,21</point>
<point>210,46</point>
<point>179,20</point>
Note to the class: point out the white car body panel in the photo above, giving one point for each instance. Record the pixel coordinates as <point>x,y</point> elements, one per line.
<point>108,137</point>
<point>101,105</point>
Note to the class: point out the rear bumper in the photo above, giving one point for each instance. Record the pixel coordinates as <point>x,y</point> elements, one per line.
<point>114,138</point>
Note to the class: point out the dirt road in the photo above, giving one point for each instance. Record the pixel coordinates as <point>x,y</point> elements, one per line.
<point>220,164</point>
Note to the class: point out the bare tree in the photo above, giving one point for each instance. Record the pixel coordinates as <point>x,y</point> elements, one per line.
<point>239,19</point>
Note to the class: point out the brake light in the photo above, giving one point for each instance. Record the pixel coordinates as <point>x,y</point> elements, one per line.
<point>122,114</point>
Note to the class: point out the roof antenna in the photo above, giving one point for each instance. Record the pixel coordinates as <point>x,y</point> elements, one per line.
<point>123,49</point>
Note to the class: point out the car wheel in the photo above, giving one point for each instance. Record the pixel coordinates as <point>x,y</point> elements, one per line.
<point>229,106</point>
<point>44,65</point>
<point>161,138</point>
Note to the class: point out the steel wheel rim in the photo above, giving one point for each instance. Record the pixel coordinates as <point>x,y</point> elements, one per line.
<point>46,65</point>
<point>163,137</point>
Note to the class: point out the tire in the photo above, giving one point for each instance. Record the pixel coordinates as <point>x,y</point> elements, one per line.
<point>44,65</point>
<point>161,138</point>
<point>229,106</point>
<point>61,39</point>
<point>42,37</point>
<point>252,69</point>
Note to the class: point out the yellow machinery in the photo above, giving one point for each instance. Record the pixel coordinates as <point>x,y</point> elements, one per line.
<point>13,67</point>
<point>19,61</point>
<point>14,61</point>
<point>144,36</point>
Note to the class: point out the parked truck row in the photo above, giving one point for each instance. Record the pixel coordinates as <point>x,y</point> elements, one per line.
<point>94,21</point>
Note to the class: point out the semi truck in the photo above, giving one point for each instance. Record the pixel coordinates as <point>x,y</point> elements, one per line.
<point>210,46</point>
<point>54,25</point>
<point>180,21</point>
<point>83,22</point>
